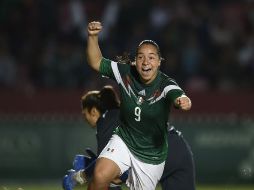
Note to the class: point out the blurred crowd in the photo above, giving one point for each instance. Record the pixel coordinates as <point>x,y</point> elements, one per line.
<point>206,44</point>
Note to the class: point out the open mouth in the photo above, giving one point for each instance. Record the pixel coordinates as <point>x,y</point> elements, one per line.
<point>146,70</point>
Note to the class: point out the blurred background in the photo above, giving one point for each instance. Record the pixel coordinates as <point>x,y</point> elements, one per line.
<point>208,47</point>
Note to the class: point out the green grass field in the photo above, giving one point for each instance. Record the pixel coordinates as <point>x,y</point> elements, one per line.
<point>57,187</point>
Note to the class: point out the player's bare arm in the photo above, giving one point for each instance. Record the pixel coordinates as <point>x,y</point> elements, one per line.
<point>183,102</point>
<point>94,55</point>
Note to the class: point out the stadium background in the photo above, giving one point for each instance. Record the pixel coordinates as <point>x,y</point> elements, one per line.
<point>208,48</point>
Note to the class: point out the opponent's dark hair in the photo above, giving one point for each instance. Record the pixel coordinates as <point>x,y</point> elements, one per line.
<point>105,99</point>
<point>151,42</point>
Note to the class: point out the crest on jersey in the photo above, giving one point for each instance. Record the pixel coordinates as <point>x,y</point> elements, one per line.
<point>142,93</point>
<point>140,100</point>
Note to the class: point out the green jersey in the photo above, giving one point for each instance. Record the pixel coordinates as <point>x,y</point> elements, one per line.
<point>144,110</point>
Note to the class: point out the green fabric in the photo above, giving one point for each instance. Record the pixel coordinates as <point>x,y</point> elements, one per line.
<point>144,110</point>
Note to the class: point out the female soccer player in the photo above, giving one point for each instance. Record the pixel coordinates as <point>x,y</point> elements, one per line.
<point>139,144</point>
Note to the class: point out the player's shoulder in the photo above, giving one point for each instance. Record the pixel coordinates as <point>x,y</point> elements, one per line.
<point>115,63</point>
<point>113,112</point>
<point>166,80</point>
<point>122,67</point>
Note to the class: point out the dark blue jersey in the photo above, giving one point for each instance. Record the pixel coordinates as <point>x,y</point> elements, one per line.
<point>106,124</point>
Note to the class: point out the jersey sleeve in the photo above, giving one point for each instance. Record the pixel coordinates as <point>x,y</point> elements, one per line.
<point>113,70</point>
<point>106,68</point>
<point>173,91</point>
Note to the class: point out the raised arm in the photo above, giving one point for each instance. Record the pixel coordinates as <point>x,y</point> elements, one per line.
<point>94,55</point>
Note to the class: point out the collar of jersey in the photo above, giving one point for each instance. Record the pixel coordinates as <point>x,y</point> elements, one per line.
<point>153,82</point>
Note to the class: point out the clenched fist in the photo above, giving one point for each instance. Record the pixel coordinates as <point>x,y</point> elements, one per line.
<point>94,28</point>
<point>183,102</point>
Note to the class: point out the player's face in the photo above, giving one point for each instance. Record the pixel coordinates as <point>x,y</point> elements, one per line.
<point>91,116</point>
<point>147,62</point>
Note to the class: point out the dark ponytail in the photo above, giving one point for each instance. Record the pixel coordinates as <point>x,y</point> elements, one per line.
<point>103,100</point>
<point>124,59</point>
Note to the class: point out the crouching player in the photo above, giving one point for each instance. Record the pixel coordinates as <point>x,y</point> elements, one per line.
<point>101,110</point>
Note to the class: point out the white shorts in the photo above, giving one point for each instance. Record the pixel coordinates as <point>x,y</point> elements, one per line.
<point>142,176</point>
